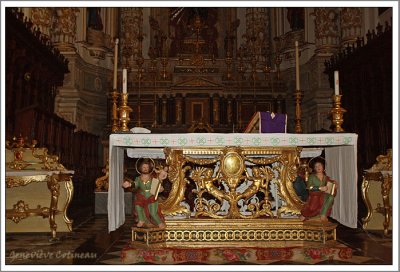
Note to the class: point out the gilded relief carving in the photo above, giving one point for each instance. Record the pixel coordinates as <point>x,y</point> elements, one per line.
<point>326,29</point>
<point>42,17</point>
<point>42,168</point>
<point>381,172</point>
<point>350,24</point>
<point>257,34</point>
<point>232,182</point>
<point>21,211</point>
<point>64,30</point>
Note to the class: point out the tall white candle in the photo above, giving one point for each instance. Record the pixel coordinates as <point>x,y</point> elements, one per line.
<point>336,76</point>
<point>115,64</point>
<point>297,66</point>
<point>124,80</point>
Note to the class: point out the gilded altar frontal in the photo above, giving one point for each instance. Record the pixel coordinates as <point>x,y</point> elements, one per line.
<point>202,134</point>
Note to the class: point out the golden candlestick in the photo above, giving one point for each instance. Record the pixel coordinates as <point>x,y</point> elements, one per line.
<point>124,111</point>
<point>114,111</point>
<point>298,95</point>
<point>337,113</point>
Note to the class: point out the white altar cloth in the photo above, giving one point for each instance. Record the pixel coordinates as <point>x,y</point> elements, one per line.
<point>340,154</point>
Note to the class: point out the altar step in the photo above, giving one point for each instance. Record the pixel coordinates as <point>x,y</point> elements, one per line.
<point>285,253</point>
<point>234,232</point>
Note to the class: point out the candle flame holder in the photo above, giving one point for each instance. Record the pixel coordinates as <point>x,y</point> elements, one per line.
<point>337,113</point>
<point>124,111</point>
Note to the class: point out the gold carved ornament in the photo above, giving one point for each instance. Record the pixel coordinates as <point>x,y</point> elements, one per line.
<point>381,171</point>
<point>102,182</point>
<point>19,147</point>
<point>229,164</point>
<point>176,175</point>
<point>39,162</point>
<point>22,211</point>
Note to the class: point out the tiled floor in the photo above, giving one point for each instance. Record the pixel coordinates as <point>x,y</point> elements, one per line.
<point>90,243</point>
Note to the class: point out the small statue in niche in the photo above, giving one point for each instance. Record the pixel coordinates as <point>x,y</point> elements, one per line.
<point>94,18</point>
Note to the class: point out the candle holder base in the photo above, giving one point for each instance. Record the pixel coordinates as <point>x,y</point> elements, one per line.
<point>337,114</point>
<point>124,111</point>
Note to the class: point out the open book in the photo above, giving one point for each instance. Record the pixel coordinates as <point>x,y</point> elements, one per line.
<point>155,187</point>
<point>331,188</point>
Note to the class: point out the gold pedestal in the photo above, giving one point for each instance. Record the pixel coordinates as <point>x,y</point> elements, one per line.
<point>208,232</point>
<point>337,113</point>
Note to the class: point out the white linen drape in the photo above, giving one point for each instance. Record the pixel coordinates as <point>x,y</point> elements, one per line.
<point>341,165</point>
<point>116,204</point>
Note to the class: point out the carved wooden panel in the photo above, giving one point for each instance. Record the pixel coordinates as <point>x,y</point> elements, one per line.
<point>198,109</point>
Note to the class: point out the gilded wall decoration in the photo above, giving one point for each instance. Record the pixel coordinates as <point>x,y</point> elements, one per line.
<point>65,28</point>
<point>43,18</point>
<point>132,29</point>
<point>350,24</point>
<point>326,29</point>
<point>257,34</point>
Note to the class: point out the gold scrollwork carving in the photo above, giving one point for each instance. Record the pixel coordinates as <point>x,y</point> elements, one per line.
<point>19,147</point>
<point>381,171</point>
<point>220,177</point>
<point>16,181</point>
<point>176,174</point>
<point>21,211</point>
<point>102,182</point>
<point>54,187</point>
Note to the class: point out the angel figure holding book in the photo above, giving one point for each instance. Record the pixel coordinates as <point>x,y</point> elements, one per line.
<point>322,191</point>
<point>147,186</point>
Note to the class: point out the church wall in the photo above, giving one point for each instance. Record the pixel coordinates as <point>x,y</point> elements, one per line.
<point>85,57</point>
<point>82,99</point>
<point>241,15</point>
<point>146,29</point>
